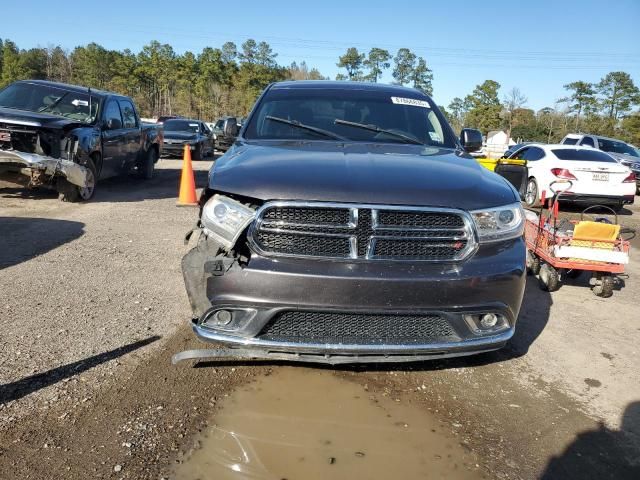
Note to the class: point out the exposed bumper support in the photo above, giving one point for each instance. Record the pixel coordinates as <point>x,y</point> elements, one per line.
<point>26,163</point>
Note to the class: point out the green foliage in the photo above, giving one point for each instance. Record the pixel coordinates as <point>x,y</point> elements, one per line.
<point>582,99</point>
<point>215,82</point>
<point>376,62</point>
<point>353,62</point>
<point>618,93</point>
<point>422,77</point>
<point>484,107</point>
<point>404,61</point>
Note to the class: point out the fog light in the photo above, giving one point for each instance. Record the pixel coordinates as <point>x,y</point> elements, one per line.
<point>488,320</point>
<point>222,317</point>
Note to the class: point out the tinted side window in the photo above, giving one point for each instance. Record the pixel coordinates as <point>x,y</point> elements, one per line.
<point>533,154</point>
<point>584,155</point>
<point>588,141</point>
<point>520,155</point>
<point>570,141</point>
<point>128,114</point>
<point>112,112</point>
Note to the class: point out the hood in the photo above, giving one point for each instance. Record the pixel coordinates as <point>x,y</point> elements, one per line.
<point>180,136</point>
<point>34,119</point>
<point>624,158</point>
<point>360,173</point>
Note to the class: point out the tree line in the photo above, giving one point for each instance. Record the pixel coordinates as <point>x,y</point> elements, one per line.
<point>602,108</point>
<point>408,68</point>
<point>227,81</point>
<point>207,85</point>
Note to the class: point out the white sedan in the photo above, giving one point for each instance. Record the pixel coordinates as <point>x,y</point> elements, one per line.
<point>596,178</point>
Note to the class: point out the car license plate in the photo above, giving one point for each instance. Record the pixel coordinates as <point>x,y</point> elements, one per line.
<point>600,177</point>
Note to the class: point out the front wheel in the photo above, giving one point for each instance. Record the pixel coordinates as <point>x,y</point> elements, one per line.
<point>549,278</point>
<point>531,194</point>
<point>68,192</point>
<point>603,286</point>
<point>147,166</point>
<point>533,263</point>
<point>197,153</point>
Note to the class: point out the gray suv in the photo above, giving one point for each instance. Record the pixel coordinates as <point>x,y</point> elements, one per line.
<point>347,223</point>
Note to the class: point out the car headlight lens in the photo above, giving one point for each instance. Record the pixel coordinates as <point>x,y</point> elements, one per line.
<point>224,219</point>
<point>500,223</point>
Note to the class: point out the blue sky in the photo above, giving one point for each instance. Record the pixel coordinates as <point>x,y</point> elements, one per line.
<point>537,46</point>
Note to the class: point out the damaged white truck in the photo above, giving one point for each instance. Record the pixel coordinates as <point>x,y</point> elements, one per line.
<point>67,137</point>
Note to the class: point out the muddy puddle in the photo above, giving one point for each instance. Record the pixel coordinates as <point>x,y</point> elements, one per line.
<point>301,423</point>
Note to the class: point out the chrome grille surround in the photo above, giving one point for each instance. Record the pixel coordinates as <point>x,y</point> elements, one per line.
<point>359,229</point>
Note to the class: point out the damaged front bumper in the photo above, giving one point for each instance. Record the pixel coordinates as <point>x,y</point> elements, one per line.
<point>258,294</point>
<point>37,166</point>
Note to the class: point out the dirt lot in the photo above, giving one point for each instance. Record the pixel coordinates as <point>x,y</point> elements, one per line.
<point>92,306</point>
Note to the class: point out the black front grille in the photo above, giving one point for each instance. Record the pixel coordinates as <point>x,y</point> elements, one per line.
<point>419,219</point>
<point>311,245</point>
<point>358,328</point>
<point>354,232</point>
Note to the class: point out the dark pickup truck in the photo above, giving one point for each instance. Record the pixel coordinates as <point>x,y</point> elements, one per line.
<point>67,137</point>
<point>348,223</point>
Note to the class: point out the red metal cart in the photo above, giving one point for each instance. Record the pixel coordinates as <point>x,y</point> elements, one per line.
<point>554,252</point>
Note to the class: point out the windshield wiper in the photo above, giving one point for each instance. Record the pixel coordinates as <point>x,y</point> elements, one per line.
<point>295,123</point>
<point>47,107</point>
<point>377,129</point>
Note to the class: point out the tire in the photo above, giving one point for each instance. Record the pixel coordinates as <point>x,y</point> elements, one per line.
<point>604,287</point>
<point>147,166</point>
<point>533,263</point>
<point>68,192</point>
<point>531,197</point>
<point>549,278</point>
<point>617,207</point>
<point>197,153</point>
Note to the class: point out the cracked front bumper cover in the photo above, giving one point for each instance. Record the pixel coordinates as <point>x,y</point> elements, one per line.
<point>25,163</point>
<point>492,282</point>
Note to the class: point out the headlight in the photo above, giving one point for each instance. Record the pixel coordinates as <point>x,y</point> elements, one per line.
<point>500,223</point>
<point>224,219</point>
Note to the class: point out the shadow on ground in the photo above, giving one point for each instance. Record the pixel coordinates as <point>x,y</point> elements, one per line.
<point>23,387</point>
<point>601,453</point>
<point>24,238</point>
<point>123,188</point>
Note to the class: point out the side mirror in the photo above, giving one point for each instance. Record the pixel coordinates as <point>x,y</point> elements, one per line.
<point>114,124</point>
<point>230,127</point>
<point>471,139</point>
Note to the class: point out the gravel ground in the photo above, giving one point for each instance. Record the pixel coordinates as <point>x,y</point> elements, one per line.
<point>93,305</point>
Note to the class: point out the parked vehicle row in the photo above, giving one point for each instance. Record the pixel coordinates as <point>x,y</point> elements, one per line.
<point>179,132</point>
<point>597,178</point>
<point>69,137</point>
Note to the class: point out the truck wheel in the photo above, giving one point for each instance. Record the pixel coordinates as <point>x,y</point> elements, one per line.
<point>531,193</point>
<point>68,192</point>
<point>603,286</point>
<point>197,153</point>
<point>146,167</point>
<point>549,278</point>
<point>533,263</point>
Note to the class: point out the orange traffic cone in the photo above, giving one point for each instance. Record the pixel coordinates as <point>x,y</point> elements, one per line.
<point>187,195</point>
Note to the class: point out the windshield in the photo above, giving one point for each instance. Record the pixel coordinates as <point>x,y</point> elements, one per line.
<point>584,155</point>
<point>343,114</point>
<point>50,100</point>
<point>181,126</point>
<point>615,146</point>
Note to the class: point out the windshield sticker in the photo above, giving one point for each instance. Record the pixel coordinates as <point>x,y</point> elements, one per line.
<point>410,101</point>
<point>193,124</point>
<point>435,137</point>
<point>77,103</point>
